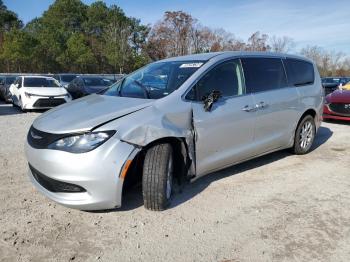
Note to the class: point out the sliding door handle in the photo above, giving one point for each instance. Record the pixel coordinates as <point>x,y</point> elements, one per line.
<point>249,109</point>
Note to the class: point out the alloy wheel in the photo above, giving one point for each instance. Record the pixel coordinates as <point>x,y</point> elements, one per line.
<point>306,135</point>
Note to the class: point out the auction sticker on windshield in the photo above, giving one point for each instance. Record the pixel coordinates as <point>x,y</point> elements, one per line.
<point>191,65</point>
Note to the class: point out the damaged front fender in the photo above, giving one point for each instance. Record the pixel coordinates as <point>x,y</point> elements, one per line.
<point>155,123</point>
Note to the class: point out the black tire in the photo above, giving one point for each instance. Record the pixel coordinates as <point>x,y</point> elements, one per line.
<point>13,103</point>
<point>300,148</point>
<point>158,169</point>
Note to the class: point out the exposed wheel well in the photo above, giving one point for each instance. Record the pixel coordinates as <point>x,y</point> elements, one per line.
<point>310,112</point>
<point>134,173</point>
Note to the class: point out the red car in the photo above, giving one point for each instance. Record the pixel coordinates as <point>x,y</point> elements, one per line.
<point>337,105</point>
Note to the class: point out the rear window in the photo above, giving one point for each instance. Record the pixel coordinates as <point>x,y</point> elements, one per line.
<point>40,82</point>
<point>10,80</point>
<point>299,72</point>
<point>263,74</point>
<point>331,80</point>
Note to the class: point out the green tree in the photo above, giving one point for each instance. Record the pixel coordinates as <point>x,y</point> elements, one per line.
<point>17,50</point>
<point>94,27</point>
<point>78,54</point>
<point>53,29</point>
<point>124,39</point>
<point>8,21</point>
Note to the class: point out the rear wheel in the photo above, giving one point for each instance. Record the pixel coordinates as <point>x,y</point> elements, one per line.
<point>304,135</point>
<point>157,180</point>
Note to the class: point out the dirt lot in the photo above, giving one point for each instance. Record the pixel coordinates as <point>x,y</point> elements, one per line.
<point>279,207</point>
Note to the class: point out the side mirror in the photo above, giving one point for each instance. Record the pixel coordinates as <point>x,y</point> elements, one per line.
<point>210,99</point>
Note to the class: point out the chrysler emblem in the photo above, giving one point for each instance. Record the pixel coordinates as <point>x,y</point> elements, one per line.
<point>34,135</point>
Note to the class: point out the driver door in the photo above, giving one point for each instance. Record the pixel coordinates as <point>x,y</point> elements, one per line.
<point>224,135</point>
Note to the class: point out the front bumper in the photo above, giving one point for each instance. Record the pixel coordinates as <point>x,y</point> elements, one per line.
<point>328,114</point>
<point>97,172</point>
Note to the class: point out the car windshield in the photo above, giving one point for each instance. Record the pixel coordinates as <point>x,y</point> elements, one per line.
<point>40,82</point>
<point>67,78</point>
<point>96,81</point>
<point>155,80</point>
<point>343,81</point>
<point>10,80</point>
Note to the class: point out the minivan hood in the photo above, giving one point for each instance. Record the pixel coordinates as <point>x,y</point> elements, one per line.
<point>46,91</point>
<point>88,112</point>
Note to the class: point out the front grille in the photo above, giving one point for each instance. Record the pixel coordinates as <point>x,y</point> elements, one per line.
<point>41,140</point>
<point>49,102</point>
<point>339,108</point>
<point>54,185</point>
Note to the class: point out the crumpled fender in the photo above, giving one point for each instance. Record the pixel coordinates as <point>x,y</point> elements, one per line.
<point>150,124</point>
<point>155,122</point>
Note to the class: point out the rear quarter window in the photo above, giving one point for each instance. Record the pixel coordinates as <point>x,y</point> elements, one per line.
<point>299,72</point>
<point>263,74</point>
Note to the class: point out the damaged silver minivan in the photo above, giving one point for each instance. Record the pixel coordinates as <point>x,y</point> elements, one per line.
<point>178,118</point>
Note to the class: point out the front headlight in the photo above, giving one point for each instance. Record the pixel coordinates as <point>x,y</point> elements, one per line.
<point>81,143</point>
<point>28,95</point>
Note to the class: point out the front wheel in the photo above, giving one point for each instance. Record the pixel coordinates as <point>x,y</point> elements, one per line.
<point>304,135</point>
<point>157,180</point>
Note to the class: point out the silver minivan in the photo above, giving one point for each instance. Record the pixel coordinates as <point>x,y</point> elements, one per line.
<point>177,118</point>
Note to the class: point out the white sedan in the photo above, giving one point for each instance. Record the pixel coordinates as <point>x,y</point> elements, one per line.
<point>38,92</point>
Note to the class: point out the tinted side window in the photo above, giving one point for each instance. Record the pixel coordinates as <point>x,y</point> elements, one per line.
<point>226,78</point>
<point>262,74</point>
<point>299,72</point>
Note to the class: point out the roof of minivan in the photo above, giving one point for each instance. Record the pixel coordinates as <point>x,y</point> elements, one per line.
<point>90,76</point>
<point>34,76</point>
<point>208,56</point>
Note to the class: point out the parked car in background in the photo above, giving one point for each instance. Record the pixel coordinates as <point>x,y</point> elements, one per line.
<point>337,105</point>
<point>113,77</point>
<point>65,79</point>
<point>5,82</point>
<point>331,84</point>
<point>206,112</point>
<point>38,92</point>
<point>86,85</point>
<point>346,86</point>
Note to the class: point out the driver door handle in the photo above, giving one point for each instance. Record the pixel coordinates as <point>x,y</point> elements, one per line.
<point>249,109</point>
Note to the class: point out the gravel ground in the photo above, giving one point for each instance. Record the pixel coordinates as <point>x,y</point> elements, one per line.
<point>279,207</point>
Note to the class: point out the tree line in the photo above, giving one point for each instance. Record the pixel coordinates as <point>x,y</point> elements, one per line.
<point>74,37</point>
